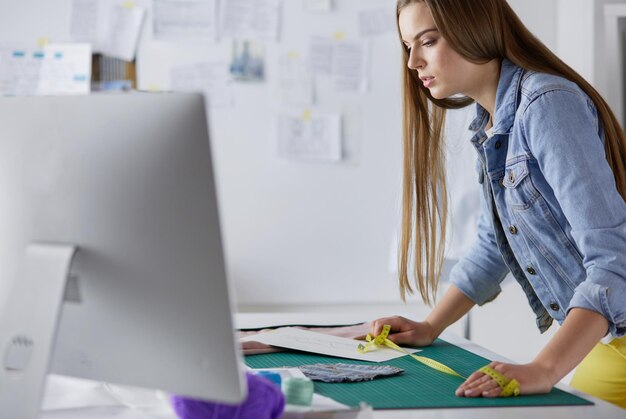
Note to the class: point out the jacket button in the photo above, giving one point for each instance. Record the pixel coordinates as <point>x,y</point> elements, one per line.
<point>554,306</point>
<point>501,182</point>
<point>531,270</point>
<point>498,144</point>
<point>513,229</point>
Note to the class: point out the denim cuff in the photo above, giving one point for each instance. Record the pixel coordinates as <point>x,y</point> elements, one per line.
<point>605,293</point>
<point>475,282</point>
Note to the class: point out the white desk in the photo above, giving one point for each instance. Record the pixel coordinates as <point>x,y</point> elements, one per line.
<point>107,407</point>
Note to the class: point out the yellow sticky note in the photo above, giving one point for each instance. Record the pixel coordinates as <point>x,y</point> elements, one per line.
<point>128,4</point>
<point>306,115</point>
<point>339,36</point>
<point>42,41</point>
<point>292,55</point>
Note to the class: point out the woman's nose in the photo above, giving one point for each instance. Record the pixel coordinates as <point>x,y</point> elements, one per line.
<point>415,61</point>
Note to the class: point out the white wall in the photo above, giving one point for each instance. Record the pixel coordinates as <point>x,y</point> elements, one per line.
<point>581,40</point>
<point>539,16</point>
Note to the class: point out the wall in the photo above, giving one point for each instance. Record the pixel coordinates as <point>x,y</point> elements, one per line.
<point>297,231</point>
<point>581,40</point>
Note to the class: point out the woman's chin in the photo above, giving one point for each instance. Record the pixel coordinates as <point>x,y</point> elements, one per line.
<point>437,94</point>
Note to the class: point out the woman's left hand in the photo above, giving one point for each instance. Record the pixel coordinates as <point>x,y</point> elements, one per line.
<point>532,378</point>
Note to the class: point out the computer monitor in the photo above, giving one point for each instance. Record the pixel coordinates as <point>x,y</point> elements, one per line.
<point>110,241</point>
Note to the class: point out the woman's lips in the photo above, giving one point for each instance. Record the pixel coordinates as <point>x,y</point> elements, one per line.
<point>427,81</point>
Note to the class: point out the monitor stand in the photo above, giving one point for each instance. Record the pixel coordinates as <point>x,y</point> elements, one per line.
<point>28,326</point>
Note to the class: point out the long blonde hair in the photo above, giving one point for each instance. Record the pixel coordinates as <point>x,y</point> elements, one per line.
<point>480,31</point>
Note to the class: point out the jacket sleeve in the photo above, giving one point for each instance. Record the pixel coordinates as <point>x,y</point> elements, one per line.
<point>562,133</point>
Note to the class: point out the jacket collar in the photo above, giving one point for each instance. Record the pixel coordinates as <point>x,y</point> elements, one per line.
<point>506,100</point>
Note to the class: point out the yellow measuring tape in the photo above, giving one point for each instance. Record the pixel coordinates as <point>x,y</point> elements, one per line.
<point>510,387</point>
<point>381,340</point>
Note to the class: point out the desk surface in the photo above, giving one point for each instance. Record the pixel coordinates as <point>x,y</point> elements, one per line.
<point>97,401</point>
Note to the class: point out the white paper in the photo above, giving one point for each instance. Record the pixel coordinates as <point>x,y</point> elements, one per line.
<point>185,20</point>
<point>66,69</point>
<point>55,69</point>
<point>377,21</point>
<point>321,52</point>
<point>245,19</point>
<point>309,136</point>
<point>350,64</point>
<point>211,78</point>
<point>345,62</point>
<point>84,21</point>
<point>19,71</point>
<point>323,6</point>
<point>112,27</point>
<point>120,35</point>
<point>320,343</point>
<point>296,81</point>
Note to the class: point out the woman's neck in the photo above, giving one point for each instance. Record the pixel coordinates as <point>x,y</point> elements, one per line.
<point>486,88</point>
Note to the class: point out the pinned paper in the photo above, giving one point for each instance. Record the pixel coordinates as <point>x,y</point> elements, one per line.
<point>345,62</point>
<point>84,21</point>
<point>211,78</point>
<point>54,69</point>
<point>309,136</point>
<point>320,343</point>
<point>185,20</point>
<point>121,33</point>
<point>377,21</point>
<point>321,53</point>
<point>295,82</point>
<point>112,27</point>
<point>321,6</point>
<point>65,70</point>
<point>350,65</point>
<point>245,19</point>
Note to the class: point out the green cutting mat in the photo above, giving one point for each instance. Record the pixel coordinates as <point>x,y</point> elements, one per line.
<point>417,387</point>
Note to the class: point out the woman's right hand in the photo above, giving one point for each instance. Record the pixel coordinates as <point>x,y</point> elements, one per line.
<point>405,331</point>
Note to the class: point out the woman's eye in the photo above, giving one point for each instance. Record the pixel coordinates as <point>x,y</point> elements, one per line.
<point>429,42</point>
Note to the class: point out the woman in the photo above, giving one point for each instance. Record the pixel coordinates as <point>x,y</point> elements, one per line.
<point>551,162</point>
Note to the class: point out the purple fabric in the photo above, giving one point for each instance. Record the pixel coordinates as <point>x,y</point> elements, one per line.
<point>264,401</point>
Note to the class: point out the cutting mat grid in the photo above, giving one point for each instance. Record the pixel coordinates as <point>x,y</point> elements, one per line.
<point>417,387</point>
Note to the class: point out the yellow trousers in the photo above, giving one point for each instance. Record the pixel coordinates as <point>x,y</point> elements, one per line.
<point>603,372</point>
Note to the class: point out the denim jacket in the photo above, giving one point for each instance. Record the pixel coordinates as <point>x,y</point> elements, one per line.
<point>552,215</point>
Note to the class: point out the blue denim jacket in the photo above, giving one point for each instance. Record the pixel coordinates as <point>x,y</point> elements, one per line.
<point>551,215</point>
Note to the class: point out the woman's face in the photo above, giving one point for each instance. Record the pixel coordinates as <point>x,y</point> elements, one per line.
<point>441,69</point>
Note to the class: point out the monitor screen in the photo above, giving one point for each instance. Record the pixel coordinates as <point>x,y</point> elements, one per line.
<point>126,180</point>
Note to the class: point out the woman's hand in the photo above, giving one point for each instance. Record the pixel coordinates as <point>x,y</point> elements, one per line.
<point>405,331</point>
<point>532,378</point>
